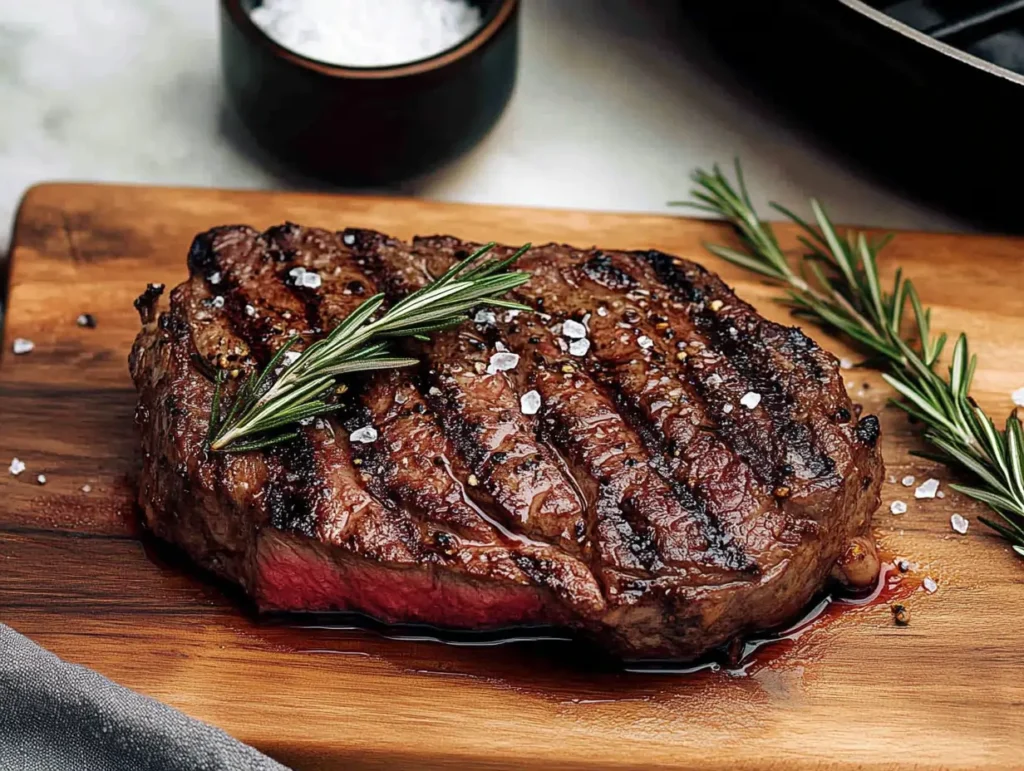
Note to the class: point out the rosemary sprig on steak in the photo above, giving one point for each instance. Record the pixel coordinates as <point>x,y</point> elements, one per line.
<point>838,287</point>
<point>268,404</point>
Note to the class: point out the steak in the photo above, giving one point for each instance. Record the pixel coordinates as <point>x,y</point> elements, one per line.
<point>663,471</point>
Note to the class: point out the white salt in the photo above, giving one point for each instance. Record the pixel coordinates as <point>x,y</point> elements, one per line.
<point>367,33</point>
<point>907,481</point>
<point>959,523</point>
<point>1018,397</point>
<point>845,364</point>
<point>41,479</point>
<point>502,362</point>
<point>927,489</point>
<point>573,329</point>
<point>751,399</point>
<point>310,280</point>
<point>930,585</point>
<point>22,346</point>
<point>898,507</point>
<point>364,435</point>
<point>290,357</point>
<point>579,347</point>
<point>530,403</point>
<point>644,342</point>
<point>485,317</point>
<point>17,466</point>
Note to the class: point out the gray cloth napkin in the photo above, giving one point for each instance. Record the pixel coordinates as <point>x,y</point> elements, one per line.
<point>56,716</point>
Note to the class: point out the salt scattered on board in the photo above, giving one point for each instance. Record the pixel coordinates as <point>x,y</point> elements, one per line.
<point>930,585</point>
<point>1018,397</point>
<point>751,399</point>
<point>573,329</point>
<point>579,347</point>
<point>959,523</point>
<point>21,346</point>
<point>908,481</point>
<point>17,466</point>
<point>927,489</point>
<point>502,362</point>
<point>364,435</point>
<point>367,33</point>
<point>898,507</point>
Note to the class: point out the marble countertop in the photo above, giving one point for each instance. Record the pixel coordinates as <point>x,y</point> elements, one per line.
<point>612,111</point>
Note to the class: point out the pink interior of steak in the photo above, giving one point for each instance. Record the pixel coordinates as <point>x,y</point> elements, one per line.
<point>645,502</point>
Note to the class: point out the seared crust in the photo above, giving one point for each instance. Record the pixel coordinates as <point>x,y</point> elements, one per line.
<point>644,504</point>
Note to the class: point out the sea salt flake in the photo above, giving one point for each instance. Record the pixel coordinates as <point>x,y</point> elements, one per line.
<point>1018,397</point>
<point>579,347</point>
<point>297,273</point>
<point>290,357</point>
<point>714,379</point>
<point>434,391</point>
<point>573,329</point>
<point>511,314</point>
<point>364,435</point>
<point>930,586</point>
<point>86,488</point>
<point>845,364</point>
<point>502,362</point>
<point>250,311</point>
<point>530,403</point>
<point>22,346</point>
<point>215,278</point>
<point>940,494</point>
<point>485,317</point>
<point>927,489</point>
<point>310,280</point>
<point>726,408</point>
<point>602,311</point>
<point>500,346</point>
<point>908,481</point>
<point>959,523</point>
<point>348,239</point>
<point>41,479</point>
<point>218,302</point>
<point>898,507</point>
<point>645,342</point>
<point>17,466</point>
<point>751,399</point>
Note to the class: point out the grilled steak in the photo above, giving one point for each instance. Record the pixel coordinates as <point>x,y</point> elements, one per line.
<point>663,470</point>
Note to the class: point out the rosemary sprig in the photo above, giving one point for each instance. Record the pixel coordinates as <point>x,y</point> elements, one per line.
<point>837,286</point>
<point>269,403</point>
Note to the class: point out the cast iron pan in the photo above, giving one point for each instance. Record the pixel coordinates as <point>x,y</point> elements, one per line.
<point>927,95</point>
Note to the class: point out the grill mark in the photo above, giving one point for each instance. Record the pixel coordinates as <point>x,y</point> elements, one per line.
<point>659,399</point>
<point>537,346</point>
<point>519,479</point>
<point>765,367</point>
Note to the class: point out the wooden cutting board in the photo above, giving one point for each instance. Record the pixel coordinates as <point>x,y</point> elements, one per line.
<point>854,691</point>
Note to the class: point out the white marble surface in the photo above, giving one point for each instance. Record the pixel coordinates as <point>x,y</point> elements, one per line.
<point>612,111</point>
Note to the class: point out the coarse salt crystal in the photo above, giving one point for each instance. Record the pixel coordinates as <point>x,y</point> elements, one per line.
<point>502,362</point>
<point>579,347</point>
<point>364,435</point>
<point>602,311</point>
<point>751,399</point>
<point>86,488</point>
<point>348,239</point>
<point>726,408</point>
<point>21,346</point>
<point>367,33</point>
<point>250,311</point>
<point>500,346</point>
<point>573,329</point>
<point>434,391</point>
<point>930,585</point>
<point>845,364</point>
<point>17,466</point>
<point>940,494</point>
<point>645,342</point>
<point>214,278</point>
<point>927,489</point>
<point>898,507</point>
<point>485,317</point>
<point>1018,397</point>
<point>41,479</point>
<point>908,481</point>
<point>218,302</point>
<point>310,280</point>
<point>959,523</point>
<point>511,314</point>
<point>714,379</point>
<point>530,403</point>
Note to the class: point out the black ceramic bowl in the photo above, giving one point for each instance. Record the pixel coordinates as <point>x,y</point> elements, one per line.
<point>369,125</point>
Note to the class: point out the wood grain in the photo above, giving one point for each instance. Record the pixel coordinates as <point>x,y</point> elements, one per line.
<point>857,692</point>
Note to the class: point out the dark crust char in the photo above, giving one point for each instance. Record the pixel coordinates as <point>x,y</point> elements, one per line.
<point>643,504</point>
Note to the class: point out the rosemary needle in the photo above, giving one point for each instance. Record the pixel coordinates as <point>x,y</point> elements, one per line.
<point>270,403</point>
<point>837,286</point>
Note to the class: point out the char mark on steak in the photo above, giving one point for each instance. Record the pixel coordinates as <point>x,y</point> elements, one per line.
<point>693,472</point>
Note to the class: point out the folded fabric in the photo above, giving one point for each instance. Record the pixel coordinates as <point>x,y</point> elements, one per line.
<point>56,716</point>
